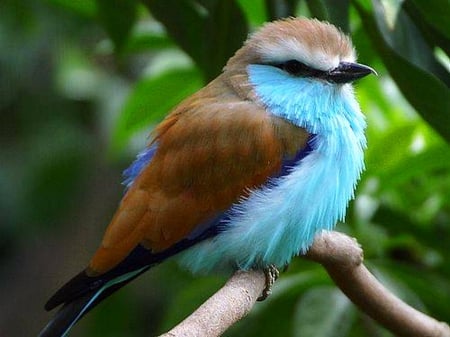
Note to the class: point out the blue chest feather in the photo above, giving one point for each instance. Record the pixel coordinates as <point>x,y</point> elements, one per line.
<point>310,194</point>
<point>281,219</point>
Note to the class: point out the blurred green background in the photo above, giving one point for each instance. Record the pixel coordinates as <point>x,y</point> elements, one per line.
<point>82,83</point>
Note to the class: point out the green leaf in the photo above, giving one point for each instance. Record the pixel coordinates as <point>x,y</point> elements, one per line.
<point>226,29</point>
<point>427,162</point>
<point>151,99</point>
<point>436,14</point>
<point>145,42</point>
<point>184,21</point>
<point>335,12</point>
<point>338,13</point>
<point>400,224</point>
<point>254,10</point>
<point>318,9</point>
<point>390,150</point>
<point>434,37</point>
<point>118,17</point>
<point>86,8</point>
<point>405,38</point>
<point>323,312</point>
<point>208,31</point>
<point>278,9</point>
<point>426,92</point>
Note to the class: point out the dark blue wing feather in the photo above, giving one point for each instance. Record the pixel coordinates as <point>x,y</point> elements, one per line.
<point>141,161</point>
<point>289,163</point>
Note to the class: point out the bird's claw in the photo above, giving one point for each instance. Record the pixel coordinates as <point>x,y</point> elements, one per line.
<point>271,272</point>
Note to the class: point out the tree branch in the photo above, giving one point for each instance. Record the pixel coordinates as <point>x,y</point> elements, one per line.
<point>342,257</point>
<point>227,306</point>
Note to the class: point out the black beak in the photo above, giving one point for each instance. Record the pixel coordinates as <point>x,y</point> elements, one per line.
<point>348,72</point>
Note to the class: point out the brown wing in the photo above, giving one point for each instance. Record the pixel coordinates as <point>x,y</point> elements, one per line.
<point>211,152</point>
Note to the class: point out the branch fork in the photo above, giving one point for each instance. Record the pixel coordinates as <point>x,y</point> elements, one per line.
<point>342,257</point>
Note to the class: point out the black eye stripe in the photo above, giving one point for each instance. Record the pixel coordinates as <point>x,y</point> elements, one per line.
<point>297,68</point>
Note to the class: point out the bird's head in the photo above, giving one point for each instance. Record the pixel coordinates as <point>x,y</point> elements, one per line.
<point>303,48</point>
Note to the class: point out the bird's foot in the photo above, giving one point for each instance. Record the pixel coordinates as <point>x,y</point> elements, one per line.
<point>271,273</point>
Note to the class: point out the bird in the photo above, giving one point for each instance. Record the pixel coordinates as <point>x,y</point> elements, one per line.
<point>241,175</point>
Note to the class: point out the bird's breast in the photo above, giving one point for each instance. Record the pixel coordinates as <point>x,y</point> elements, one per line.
<point>281,218</point>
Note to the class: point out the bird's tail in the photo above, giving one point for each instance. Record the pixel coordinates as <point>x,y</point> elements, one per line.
<point>67,316</point>
<point>71,312</point>
<point>83,292</point>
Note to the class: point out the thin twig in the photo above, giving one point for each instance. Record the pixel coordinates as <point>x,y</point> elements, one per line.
<point>342,258</point>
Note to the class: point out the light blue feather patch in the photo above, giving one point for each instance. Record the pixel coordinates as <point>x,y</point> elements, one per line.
<point>281,219</point>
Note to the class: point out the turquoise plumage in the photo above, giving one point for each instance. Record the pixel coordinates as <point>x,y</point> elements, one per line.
<point>281,219</point>
<point>241,175</point>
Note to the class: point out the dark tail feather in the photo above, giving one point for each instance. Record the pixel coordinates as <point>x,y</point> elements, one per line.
<point>71,312</point>
<point>82,293</point>
<point>67,316</point>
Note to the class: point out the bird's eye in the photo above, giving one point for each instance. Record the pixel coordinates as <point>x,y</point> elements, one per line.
<point>297,68</point>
